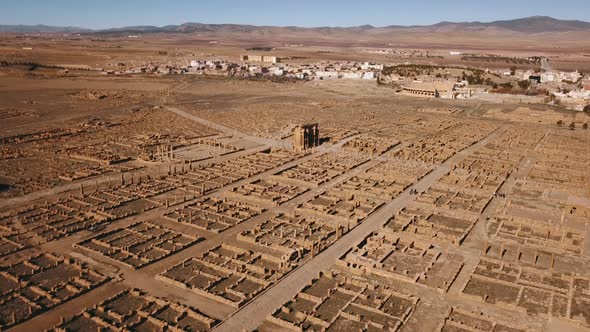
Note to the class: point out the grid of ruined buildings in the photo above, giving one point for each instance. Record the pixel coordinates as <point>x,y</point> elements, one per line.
<point>47,158</point>
<point>530,279</point>
<point>228,274</point>
<point>143,243</point>
<point>411,246</point>
<point>134,310</point>
<point>538,211</point>
<point>377,183</point>
<point>372,145</point>
<point>269,192</point>
<point>537,239</point>
<point>92,207</point>
<point>389,255</point>
<point>232,274</point>
<point>337,301</point>
<point>152,147</point>
<point>449,209</point>
<point>558,174</point>
<point>442,216</point>
<point>321,169</point>
<point>439,146</point>
<point>458,319</point>
<point>234,206</point>
<point>526,266</point>
<point>231,279</point>
<point>347,203</point>
<point>39,283</point>
<point>138,244</point>
<point>525,270</point>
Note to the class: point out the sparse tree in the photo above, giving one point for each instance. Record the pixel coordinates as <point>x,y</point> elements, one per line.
<point>572,126</point>
<point>560,123</point>
<point>507,85</point>
<point>524,84</point>
<point>585,126</point>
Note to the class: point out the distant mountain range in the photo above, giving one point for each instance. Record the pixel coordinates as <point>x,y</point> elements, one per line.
<point>40,28</point>
<point>529,25</point>
<point>534,24</point>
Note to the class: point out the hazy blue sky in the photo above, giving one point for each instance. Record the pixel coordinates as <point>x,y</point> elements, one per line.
<point>118,13</point>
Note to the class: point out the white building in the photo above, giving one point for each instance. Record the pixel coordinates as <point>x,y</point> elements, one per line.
<point>277,71</point>
<point>352,75</point>
<point>371,66</point>
<point>560,76</point>
<point>548,77</point>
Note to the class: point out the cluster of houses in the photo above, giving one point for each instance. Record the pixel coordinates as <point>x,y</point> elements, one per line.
<point>262,67</point>
<point>346,70</point>
<point>569,87</point>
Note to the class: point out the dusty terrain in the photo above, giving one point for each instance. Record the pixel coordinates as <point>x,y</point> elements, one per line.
<point>174,201</point>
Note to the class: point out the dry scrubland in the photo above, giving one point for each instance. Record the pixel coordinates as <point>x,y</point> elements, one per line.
<point>123,207</point>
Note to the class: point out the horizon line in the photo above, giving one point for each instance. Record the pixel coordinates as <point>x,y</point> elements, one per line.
<point>295,26</point>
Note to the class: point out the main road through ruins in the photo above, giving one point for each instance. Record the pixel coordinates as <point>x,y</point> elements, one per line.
<point>256,311</point>
<point>227,130</point>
